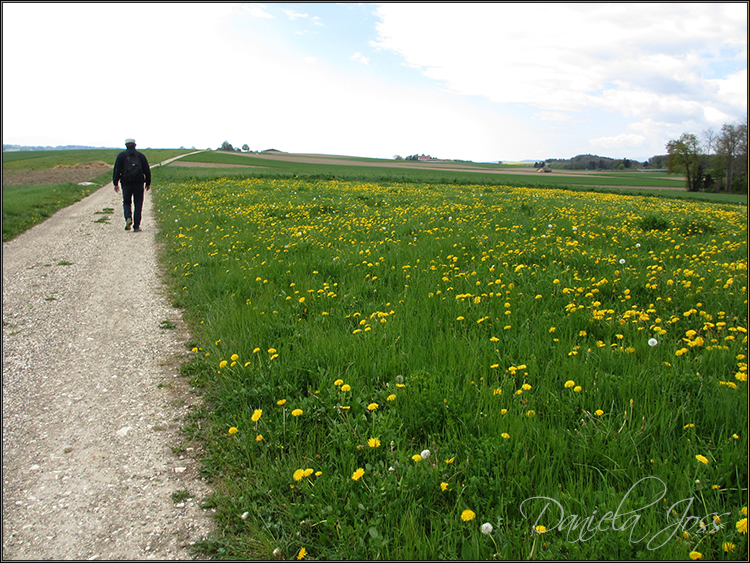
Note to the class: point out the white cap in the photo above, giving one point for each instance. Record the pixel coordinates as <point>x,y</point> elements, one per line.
<point>128,141</point>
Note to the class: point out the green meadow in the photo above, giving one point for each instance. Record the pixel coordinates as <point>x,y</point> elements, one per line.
<point>453,370</point>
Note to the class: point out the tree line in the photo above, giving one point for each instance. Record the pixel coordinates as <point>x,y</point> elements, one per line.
<point>715,162</point>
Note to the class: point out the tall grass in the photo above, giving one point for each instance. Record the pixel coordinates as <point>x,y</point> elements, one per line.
<point>392,370</point>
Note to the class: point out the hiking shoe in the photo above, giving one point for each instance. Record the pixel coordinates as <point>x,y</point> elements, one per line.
<point>136,229</point>
<point>128,222</point>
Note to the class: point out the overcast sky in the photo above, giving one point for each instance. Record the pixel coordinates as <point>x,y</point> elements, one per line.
<point>482,82</point>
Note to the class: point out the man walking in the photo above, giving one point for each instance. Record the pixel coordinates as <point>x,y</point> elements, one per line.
<point>132,169</point>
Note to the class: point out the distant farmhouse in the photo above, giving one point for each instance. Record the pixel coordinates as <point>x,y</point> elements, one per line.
<point>422,158</point>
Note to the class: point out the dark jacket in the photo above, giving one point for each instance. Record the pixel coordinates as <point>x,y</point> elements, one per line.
<point>120,163</point>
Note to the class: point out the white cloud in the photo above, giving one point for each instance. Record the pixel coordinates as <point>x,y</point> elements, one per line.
<point>622,141</point>
<point>294,15</point>
<point>562,57</point>
<point>360,58</point>
<point>257,11</point>
<point>558,116</point>
<point>733,88</point>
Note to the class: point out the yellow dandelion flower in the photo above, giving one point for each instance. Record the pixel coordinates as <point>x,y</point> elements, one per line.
<point>233,430</point>
<point>570,383</point>
<point>468,515</point>
<point>443,486</point>
<point>259,438</point>
<point>256,415</point>
<point>540,529</point>
<point>256,350</point>
<point>357,475</point>
<point>577,388</point>
<point>297,412</point>
<point>688,426</point>
<point>302,553</point>
<point>728,546</point>
<point>702,459</point>
<point>281,402</point>
<point>272,350</point>
<point>598,412</point>
<point>742,526</point>
<point>525,386</point>
<point>223,364</point>
<point>417,458</point>
<point>494,339</point>
<point>505,435</point>
<point>744,511</point>
<point>503,411</point>
<point>459,318</point>
<point>234,357</point>
<point>449,461</point>
<point>318,473</point>
<point>372,407</point>
<point>373,443</point>
<point>307,472</point>
<point>338,382</point>
<point>346,387</point>
<point>497,392</point>
<point>695,555</point>
<point>299,474</point>
<point>391,398</point>
<point>530,413</point>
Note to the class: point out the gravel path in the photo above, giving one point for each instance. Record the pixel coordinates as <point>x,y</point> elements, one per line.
<point>92,398</point>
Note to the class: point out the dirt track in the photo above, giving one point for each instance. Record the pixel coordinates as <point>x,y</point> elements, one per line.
<point>92,399</point>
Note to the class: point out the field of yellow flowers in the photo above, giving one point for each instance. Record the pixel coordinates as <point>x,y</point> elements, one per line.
<point>426,371</point>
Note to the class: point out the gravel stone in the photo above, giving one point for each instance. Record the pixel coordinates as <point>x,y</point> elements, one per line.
<point>92,398</point>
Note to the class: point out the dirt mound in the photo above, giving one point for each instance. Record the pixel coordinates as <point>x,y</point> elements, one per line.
<point>49,176</point>
<point>95,164</point>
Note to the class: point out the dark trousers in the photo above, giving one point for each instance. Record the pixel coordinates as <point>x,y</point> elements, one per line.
<point>136,194</point>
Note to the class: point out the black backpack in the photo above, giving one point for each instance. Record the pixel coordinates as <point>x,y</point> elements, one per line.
<point>132,173</point>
